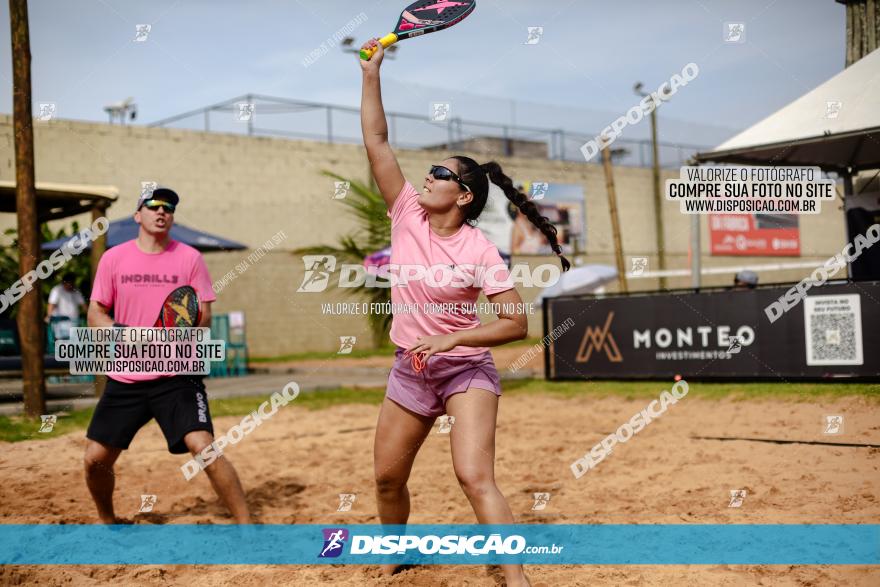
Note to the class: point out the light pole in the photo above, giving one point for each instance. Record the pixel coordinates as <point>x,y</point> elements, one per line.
<point>658,209</point>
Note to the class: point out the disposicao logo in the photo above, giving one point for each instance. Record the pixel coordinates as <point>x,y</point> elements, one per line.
<point>334,541</point>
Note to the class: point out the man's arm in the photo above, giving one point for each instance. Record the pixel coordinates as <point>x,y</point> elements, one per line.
<point>206,315</point>
<point>99,315</point>
<point>49,309</point>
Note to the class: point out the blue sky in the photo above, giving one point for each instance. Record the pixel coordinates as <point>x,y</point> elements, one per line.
<point>580,74</point>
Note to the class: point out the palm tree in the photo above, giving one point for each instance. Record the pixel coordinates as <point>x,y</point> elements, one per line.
<point>373,234</point>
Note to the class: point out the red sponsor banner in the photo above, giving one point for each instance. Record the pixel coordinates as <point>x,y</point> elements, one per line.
<point>755,235</point>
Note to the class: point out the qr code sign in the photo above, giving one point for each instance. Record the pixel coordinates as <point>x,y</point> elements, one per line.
<point>833,330</point>
<point>833,337</point>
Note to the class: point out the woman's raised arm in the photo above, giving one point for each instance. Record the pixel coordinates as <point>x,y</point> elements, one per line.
<point>383,163</point>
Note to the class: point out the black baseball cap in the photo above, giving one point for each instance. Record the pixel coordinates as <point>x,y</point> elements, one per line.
<point>163,193</point>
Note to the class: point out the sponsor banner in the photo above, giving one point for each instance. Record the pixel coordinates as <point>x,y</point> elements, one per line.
<point>613,544</point>
<point>754,235</point>
<point>720,334</point>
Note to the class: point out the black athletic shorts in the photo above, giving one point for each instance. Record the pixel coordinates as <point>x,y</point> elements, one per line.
<point>179,404</point>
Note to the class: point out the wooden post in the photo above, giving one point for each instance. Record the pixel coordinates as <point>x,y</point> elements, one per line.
<point>696,251</point>
<point>848,191</point>
<point>615,223</point>
<point>658,201</point>
<point>862,28</point>
<point>99,245</point>
<point>30,323</point>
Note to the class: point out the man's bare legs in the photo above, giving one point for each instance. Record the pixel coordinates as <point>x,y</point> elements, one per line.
<point>99,461</point>
<point>222,475</point>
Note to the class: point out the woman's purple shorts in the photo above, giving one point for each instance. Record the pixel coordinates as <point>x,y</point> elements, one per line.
<point>426,392</point>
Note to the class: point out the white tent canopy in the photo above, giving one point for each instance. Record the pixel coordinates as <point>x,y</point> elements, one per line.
<point>579,280</point>
<point>835,126</point>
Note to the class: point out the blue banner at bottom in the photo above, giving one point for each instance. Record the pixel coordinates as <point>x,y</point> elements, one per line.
<point>662,544</point>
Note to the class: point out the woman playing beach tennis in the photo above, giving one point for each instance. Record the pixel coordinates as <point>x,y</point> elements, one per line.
<point>442,364</point>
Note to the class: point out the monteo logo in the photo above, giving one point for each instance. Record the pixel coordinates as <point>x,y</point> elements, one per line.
<point>599,339</point>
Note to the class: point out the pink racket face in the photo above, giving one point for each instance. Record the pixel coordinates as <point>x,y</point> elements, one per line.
<point>427,16</point>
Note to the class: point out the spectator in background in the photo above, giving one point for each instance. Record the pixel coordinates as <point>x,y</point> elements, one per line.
<point>525,238</point>
<point>745,280</point>
<point>65,301</point>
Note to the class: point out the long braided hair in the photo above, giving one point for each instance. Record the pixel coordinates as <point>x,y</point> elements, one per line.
<point>477,177</point>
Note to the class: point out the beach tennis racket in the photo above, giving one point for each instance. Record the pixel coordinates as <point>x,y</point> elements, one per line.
<point>180,310</point>
<point>422,17</point>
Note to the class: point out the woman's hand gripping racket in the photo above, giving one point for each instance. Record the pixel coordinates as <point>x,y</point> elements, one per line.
<point>423,17</point>
<point>180,309</point>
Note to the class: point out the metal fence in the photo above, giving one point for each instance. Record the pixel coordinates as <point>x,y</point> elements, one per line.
<point>260,115</point>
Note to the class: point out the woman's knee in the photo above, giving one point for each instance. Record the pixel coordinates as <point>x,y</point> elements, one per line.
<point>475,483</point>
<point>390,483</point>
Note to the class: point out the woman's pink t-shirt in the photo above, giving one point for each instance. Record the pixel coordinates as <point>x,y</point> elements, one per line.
<point>449,262</point>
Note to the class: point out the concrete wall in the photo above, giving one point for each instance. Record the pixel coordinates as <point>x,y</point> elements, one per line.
<point>250,188</point>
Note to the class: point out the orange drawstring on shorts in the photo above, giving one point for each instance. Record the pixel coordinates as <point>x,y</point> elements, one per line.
<point>417,363</point>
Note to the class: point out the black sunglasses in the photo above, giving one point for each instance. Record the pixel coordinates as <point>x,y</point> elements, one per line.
<point>446,174</point>
<point>156,204</point>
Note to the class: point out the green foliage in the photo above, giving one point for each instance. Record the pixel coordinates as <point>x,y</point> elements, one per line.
<point>372,234</point>
<point>79,265</point>
<point>17,428</point>
<point>310,400</point>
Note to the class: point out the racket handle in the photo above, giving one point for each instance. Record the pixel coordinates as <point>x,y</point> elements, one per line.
<point>386,41</point>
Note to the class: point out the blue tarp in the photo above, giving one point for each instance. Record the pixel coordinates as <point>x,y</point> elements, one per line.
<point>127,229</point>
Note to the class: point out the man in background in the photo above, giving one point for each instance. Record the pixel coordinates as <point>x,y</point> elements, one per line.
<point>65,304</point>
<point>745,280</point>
